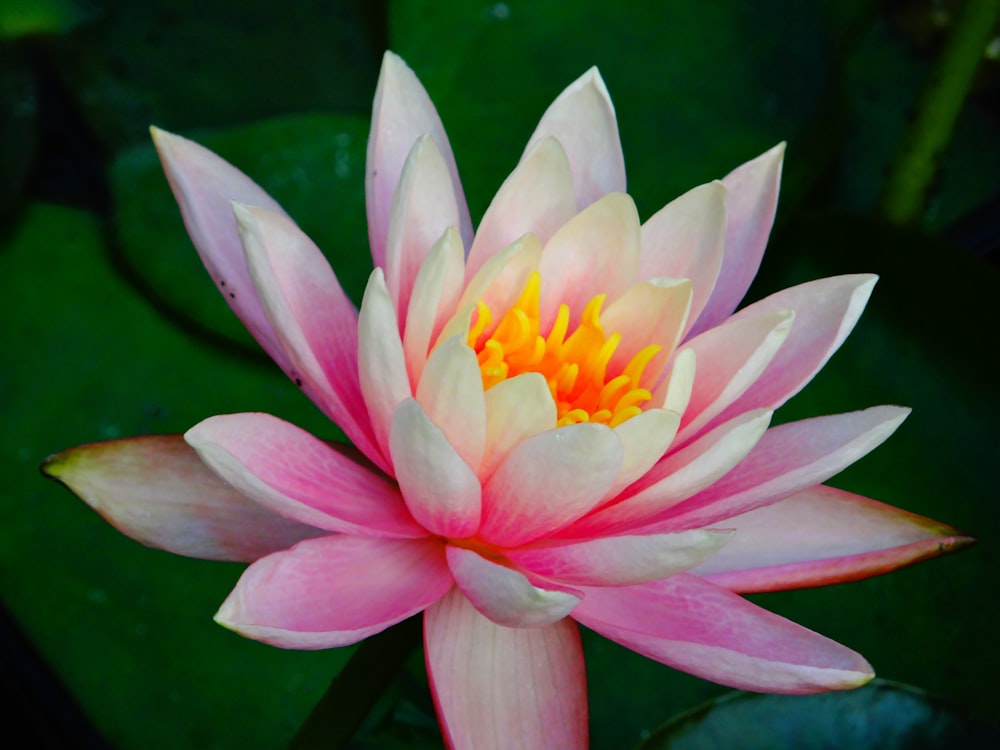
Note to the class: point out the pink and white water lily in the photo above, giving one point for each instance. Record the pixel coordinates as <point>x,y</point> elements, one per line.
<point>557,418</point>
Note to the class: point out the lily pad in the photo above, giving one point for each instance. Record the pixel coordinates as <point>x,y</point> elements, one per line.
<point>880,716</point>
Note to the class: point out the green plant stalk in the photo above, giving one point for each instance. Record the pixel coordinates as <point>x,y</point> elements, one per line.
<point>918,159</point>
<point>354,691</point>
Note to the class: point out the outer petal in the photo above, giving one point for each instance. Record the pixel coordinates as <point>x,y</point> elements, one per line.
<point>441,490</point>
<point>423,208</point>
<point>487,679</point>
<point>156,490</point>
<point>685,240</point>
<point>381,360</point>
<point>596,252</point>
<point>751,200</point>
<point>694,626</point>
<point>402,112</point>
<point>289,471</point>
<point>788,459</point>
<point>620,560</point>
<point>731,357</point>
<point>335,590</point>
<point>537,199</point>
<point>549,481</point>
<point>504,595</point>
<point>313,318</point>
<point>821,536</point>
<point>205,187</point>
<point>451,393</point>
<point>582,119</point>
<point>825,313</point>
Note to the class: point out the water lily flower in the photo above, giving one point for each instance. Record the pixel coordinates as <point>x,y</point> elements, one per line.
<point>556,419</point>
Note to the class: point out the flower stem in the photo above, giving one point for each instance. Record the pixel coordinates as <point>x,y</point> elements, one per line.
<point>944,93</point>
<point>354,691</point>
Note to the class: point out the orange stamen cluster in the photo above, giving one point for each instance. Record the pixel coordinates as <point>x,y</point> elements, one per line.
<point>574,367</point>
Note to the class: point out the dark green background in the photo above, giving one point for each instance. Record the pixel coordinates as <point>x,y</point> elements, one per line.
<point>111,328</point>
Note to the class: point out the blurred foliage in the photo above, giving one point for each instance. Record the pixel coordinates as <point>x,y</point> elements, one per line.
<point>113,328</point>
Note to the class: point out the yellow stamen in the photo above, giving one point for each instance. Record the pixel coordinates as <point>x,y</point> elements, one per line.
<point>574,366</point>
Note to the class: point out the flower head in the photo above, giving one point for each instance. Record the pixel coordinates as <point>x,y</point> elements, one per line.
<point>557,418</point>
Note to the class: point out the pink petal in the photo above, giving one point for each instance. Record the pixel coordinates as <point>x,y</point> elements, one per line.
<point>381,360</point>
<point>402,112</point>
<point>685,240</point>
<point>694,626</point>
<point>620,560</point>
<point>451,393</point>
<point>290,472</point>
<point>156,490</point>
<point>751,200</point>
<point>423,210</point>
<point>504,595</point>
<point>596,252</point>
<point>821,536</point>
<point>441,490</point>
<point>498,688</point>
<point>677,477</point>
<point>825,313</point>
<point>582,119</point>
<point>205,186</point>
<point>335,590</point>
<point>312,317</point>
<point>549,481</point>
<point>516,409</point>
<point>537,198</point>
<point>731,357</point>
<point>436,291</point>
<point>788,459</point>
<point>654,311</point>
<point>645,438</point>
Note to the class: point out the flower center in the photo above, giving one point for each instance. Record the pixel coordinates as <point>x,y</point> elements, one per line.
<point>575,367</point>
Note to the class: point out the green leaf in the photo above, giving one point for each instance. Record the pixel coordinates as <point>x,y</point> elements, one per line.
<point>880,716</point>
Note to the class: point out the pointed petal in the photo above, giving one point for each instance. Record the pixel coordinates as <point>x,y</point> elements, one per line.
<point>381,360</point>
<point>440,489</point>
<point>487,679</point>
<point>825,313</point>
<point>549,481</point>
<point>685,240</point>
<point>582,119</point>
<point>789,458</point>
<point>731,358</point>
<point>694,626</point>
<point>516,409</point>
<point>402,112</point>
<point>312,317</point>
<point>620,560</point>
<point>205,186</point>
<point>822,536</point>
<point>335,590</point>
<point>423,209</point>
<point>451,393</point>
<point>596,252</point>
<point>751,200</point>
<point>651,312</point>
<point>287,470</point>
<point>504,595</point>
<point>435,293</point>
<point>537,198</point>
<point>677,477</point>
<point>645,438</point>
<point>156,490</point>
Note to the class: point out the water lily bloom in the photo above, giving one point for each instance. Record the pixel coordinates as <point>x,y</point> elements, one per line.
<point>556,419</point>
